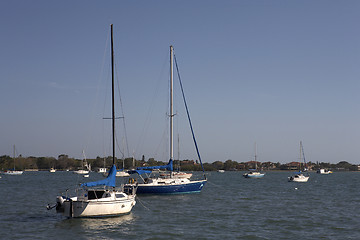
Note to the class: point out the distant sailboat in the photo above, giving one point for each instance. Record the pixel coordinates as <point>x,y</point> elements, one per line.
<point>99,198</point>
<point>14,171</point>
<point>254,173</point>
<point>83,170</point>
<point>168,184</point>
<point>300,176</point>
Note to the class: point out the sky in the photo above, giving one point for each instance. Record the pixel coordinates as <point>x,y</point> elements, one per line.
<point>272,73</point>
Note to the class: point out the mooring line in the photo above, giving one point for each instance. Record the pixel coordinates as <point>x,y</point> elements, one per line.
<point>142,203</point>
<point>214,184</point>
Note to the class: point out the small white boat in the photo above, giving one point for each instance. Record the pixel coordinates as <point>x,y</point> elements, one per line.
<point>324,171</point>
<point>298,178</point>
<point>81,171</point>
<point>119,173</point>
<point>254,174</point>
<point>83,166</point>
<point>102,170</point>
<point>52,170</point>
<point>221,171</point>
<point>86,176</point>
<point>13,172</point>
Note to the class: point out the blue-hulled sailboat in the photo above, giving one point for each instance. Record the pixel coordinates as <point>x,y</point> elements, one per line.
<point>168,184</point>
<point>100,198</point>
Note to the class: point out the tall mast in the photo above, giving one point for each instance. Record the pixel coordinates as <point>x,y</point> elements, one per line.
<point>300,154</point>
<point>14,157</point>
<point>255,156</point>
<point>171,102</point>
<point>113,94</point>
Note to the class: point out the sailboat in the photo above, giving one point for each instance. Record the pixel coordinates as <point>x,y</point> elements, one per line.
<point>119,173</point>
<point>100,198</point>
<point>300,176</point>
<point>254,173</point>
<point>169,184</point>
<point>83,170</point>
<point>14,171</point>
<point>177,173</point>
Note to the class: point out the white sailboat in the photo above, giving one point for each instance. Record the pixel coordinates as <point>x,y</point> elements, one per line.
<point>83,170</point>
<point>100,198</point>
<point>14,171</point>
<point>254,173</point>
<point>300,176</point>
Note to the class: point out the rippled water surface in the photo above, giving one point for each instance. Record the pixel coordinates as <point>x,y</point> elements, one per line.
<point>229,206</point>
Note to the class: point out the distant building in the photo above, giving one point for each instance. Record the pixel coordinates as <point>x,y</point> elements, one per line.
<point>293,165</point>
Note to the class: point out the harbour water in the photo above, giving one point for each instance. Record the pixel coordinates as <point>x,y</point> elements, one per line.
<point>230,206</point>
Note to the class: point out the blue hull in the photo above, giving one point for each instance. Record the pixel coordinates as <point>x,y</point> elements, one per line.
<point>192,187</point>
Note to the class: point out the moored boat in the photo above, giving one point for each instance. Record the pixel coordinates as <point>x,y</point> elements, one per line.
<point>99,198</point>
<point>168,184</point>
<point>301,176</point>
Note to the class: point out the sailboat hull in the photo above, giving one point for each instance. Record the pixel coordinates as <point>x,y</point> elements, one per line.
<point>191,187</point>
<point>96,208</point>
<point>251,175</point>
<point>13,172</point>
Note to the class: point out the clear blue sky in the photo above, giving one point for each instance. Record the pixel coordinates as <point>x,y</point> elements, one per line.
<point>270,72</point>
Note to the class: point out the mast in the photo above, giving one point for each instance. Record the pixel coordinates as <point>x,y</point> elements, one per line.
<point>113,94</point>
<point>14,157</point>
<point>171,102</point>
<point>300,154</point>
<point>255,156</point>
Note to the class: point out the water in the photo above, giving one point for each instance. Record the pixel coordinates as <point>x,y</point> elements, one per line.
<point>229,206</point>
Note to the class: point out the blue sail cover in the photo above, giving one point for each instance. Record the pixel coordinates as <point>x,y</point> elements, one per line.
<point>139,171</point>
<point>168,167</point>
<point>109,181</point>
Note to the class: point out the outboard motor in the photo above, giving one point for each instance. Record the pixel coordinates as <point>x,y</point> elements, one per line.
<point>59,204</point>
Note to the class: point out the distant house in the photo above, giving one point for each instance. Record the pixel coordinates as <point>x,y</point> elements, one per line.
<point>268,165</point>
<point>293,165</point>
<point>252,164</point>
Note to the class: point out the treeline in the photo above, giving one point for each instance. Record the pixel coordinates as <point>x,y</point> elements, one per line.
<point>63,162</point>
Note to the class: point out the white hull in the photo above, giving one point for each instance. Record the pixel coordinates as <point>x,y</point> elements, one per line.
<point>52,170</point>
<point>13,172</point>
<point>81,172</point>
<point>324,171</point>
<point>254,175</point>
<point>177,175</point>
<point>298,178</point>
<point>102,207</point>
<point>118,174</point>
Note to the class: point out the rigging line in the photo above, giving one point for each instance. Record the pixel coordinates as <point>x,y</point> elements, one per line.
<point>100,79</point>
<point>122,111</point>
<point>188,115</point>
<point>150,111</point>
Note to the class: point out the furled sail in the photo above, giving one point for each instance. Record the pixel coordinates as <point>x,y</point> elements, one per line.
<point>168,167</point>
<point>109,181</point>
